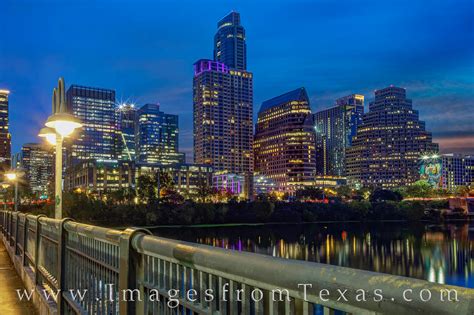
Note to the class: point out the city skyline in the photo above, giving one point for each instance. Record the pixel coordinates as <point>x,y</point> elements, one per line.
<point>433,67</point>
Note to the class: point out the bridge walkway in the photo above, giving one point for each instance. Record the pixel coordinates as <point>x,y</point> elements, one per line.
<point>9,283</point>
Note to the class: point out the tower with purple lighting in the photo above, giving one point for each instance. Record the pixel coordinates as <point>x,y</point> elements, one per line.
<point>223,106</point>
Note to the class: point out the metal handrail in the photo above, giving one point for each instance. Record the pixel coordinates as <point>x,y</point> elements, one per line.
<point>92,257</point>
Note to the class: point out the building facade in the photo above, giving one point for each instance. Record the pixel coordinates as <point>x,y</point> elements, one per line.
<point>99,176</point>
<point>157,136</point>
<point>457,170</point>
<point>5,136</point>
<point>229,42</point>
<point>223,109</point>
<point>223,105</point>
<point>389,142</point>
<point>284,145</point>
<point>126,124</point>
<point>188,179</point>
<point>231,183</point>
<point>335,128</point>
<point>97,139</point>
<point>37,163</point>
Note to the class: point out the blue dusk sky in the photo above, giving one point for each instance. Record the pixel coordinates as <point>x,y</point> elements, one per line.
<point>145,51</point>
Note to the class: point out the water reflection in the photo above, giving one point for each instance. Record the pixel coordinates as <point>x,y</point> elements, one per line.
<point>437,253</point>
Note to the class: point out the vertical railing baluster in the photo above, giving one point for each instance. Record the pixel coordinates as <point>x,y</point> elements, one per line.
<point>61,263</point>
<point>25,240</point>
<point>328,311</point>
<point>17,224</point>
<point>37,248</point>
<point>130,270</point>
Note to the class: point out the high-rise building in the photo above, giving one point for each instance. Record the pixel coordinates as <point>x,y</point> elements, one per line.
<point>223,109</point>
<point>95,107</point>
<point>389,142</point>
<point>229,42</point>
<point>5,136</point>
<point>37,162</point>
<point>223,105</point>
<point>157,136</point>
<point>457,170</point>
<point>284,145</point>
<point>335,128</point>
<point>126,119</point>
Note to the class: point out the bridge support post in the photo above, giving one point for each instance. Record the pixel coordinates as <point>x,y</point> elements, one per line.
<point>61,277</point>
<point>17,224</point>
<point>130,272</point>
<point>25,241</point>
<point>37,247</point>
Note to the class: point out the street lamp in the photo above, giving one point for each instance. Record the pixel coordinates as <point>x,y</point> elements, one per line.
<point>49,134</point>
<point>12,176</point>
<point>58,126</point>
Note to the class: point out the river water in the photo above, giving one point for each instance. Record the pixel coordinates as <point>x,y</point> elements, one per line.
<point>437,253</point>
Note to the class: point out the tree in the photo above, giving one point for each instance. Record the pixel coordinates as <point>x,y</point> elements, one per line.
<point>462,191</point>
<point>309,193</point>
<point>419,189</point>
<point>165,179</point>
<point>344,191</point>
<point>381,195</point>
<point>146,188</point>
<point>171,196</point>
<point>412,211</point>
<point>122,196</point>
<point>203,190</point>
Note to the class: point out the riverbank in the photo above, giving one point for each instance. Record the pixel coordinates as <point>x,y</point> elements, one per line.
<point>190,213</point>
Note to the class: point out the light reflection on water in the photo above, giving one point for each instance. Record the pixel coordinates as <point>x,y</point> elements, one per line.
<point>437,253</point>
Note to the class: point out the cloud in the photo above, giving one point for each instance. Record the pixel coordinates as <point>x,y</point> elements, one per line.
<point>456,143</point>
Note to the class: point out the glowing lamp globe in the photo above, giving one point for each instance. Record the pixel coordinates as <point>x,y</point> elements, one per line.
<point>63,123</point>
<point>10,176</point>
<point>49,134</point>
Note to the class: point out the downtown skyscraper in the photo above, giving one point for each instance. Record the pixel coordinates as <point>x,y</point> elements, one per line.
<point>157,136</point>
<point>390,142</point>
<point>335,128</point>
<point>223,106</point>
<point>5,136</point>
<point>126,125</point>
<point>95,107</point>
<point>37,162</point>
<point>284,141</point>
<point>230,47</point>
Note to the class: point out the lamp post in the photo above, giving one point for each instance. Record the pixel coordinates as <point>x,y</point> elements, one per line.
<point>12,176</point>
<point>58,126</point>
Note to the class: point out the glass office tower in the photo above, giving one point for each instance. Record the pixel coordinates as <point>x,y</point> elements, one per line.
<point>37,162</point>
<point>126,120</point>
<point>95,107</point>
<point>335,128</point>
<point>157,136</point>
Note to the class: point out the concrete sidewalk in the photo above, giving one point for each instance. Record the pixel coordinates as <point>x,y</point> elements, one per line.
<point>9,283</point>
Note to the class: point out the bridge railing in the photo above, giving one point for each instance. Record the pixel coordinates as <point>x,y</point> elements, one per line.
<point>132,272</point>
